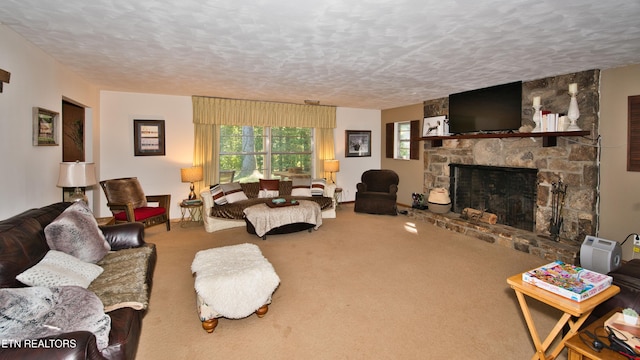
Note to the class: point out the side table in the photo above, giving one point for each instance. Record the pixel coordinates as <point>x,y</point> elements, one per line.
<point>575,313</point>
<point>579,350</point>
<point>191,214</point>
<point>337,196</point>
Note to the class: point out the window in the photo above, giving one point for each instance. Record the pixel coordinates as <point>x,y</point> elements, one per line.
<point>403,140</point>
<point>266,152</point>
<point>402,132</point>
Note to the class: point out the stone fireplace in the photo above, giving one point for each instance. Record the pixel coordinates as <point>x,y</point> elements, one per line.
<point>574,161</point>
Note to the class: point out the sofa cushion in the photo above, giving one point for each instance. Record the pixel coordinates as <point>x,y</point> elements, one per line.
<point>269,188</point>
<point>233,192</point>
<point>141,213</point>
<point>218,194</point>
<point>301,186</point>
<point>76,233</point>
<point>317,187</point>
<point>60,269</point>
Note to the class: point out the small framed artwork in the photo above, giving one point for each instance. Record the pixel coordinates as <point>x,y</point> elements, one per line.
<point>357,143</point>
<point>435,126</point>
<point>148,137</point>
<point>45,127</point>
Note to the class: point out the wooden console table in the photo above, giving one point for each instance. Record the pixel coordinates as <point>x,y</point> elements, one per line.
<point>575,313</point>
<point>548,138</point>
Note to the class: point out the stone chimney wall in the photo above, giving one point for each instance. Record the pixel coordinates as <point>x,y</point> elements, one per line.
<point>574,160</point>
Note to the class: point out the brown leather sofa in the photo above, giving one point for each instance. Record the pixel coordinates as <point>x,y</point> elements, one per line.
<point>23,244</point>
<point>377,192</point>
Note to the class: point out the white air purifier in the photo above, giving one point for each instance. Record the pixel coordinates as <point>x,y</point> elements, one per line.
<point>600,255</point>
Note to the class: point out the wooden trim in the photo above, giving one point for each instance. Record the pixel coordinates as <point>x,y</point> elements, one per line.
<point>389,136</point>
<point>414,146</point>
<point>633,134</point>
<point>5,76</point>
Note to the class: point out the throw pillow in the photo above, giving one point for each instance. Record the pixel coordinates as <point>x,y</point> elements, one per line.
<point>317,187</point>
<point>59,269</point>
<point>233,192</point>
<point>269,188</point>
<point>218,194</point>
<point>301,186</point>
<point>75,232</point>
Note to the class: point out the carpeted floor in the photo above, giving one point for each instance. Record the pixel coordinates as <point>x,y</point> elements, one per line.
<point>361,287</point>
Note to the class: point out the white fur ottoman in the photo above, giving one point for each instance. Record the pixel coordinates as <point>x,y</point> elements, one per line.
<point>232,282</point>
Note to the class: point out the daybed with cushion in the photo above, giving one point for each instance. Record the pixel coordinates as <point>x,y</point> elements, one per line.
<point>223,204</point>
<point>70,289</point>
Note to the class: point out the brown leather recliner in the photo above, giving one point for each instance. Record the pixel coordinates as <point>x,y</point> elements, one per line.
<point>377,192</point>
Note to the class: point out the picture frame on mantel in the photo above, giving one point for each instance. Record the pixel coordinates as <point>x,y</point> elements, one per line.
<point>357,143</point>
<point>45,127</point>
<point>148,138</point>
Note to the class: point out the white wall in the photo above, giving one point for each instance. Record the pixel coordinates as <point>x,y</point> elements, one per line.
<point>161,174</point>
<point>30,173</point>
<point>157,174</point>
<point>351,168</point>
<point>619,188</point>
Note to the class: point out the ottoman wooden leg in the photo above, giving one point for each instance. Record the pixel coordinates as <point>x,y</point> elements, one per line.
<point>210,325</point>
<point>263,310</point>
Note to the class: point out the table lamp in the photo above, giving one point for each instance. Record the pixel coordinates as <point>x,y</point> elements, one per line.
<point>332,166</point>
<point>191,174</point>
<point>77,175</point>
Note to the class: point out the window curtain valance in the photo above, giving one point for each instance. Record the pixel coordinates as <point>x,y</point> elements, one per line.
<point>219,111</point>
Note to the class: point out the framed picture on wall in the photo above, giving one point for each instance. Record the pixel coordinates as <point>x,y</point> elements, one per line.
<point>148,137</point>
<point>357,143</point>
<point>45,127</point>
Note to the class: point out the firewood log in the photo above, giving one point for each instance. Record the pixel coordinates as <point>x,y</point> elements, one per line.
<point>485,217</point>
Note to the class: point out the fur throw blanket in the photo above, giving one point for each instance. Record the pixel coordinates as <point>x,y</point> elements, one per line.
<point>123,283</point>
<point>234,281</point>
<point>35,312</point>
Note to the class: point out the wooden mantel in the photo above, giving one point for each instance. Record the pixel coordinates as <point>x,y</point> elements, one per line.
<point>548,138</point>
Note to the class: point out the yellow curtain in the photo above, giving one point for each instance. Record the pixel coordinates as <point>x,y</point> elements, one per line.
<point>324,150</point>
<point>206,153</point>
<point>208,110</point>
<point>209,113</point>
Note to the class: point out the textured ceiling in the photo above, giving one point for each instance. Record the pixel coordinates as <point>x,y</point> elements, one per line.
<point>374,54</point>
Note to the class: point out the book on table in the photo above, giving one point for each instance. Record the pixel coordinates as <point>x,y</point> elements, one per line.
<point>192,202</point>
<point>570,281</point>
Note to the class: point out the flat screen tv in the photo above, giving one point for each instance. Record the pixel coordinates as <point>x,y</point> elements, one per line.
<point>495,108</point>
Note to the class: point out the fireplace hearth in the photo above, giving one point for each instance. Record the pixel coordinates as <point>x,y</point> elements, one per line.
<point>508,192</point>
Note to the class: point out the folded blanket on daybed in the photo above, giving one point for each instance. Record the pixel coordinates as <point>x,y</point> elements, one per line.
<point>123,283</point>
<point>36,312</point>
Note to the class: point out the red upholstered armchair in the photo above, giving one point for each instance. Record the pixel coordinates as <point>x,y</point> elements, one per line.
<point>128,203</point>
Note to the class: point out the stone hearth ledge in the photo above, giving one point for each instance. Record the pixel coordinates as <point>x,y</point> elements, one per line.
<point>521,240</point>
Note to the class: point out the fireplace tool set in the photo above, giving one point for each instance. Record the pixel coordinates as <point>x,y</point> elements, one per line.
<point>558,193</point>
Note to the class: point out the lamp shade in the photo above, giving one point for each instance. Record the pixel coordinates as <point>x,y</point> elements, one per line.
<point>77,174</point>
<point>191,174</point>
<point>332,166</point>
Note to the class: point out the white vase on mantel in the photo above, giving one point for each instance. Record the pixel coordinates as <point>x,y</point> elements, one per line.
<point>537,119</point>
<point>573,114</point>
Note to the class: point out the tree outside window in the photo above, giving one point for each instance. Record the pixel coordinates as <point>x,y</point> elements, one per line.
<point>265,152</point>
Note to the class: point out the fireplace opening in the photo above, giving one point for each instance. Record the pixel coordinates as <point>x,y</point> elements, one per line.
<point>509,193</point>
